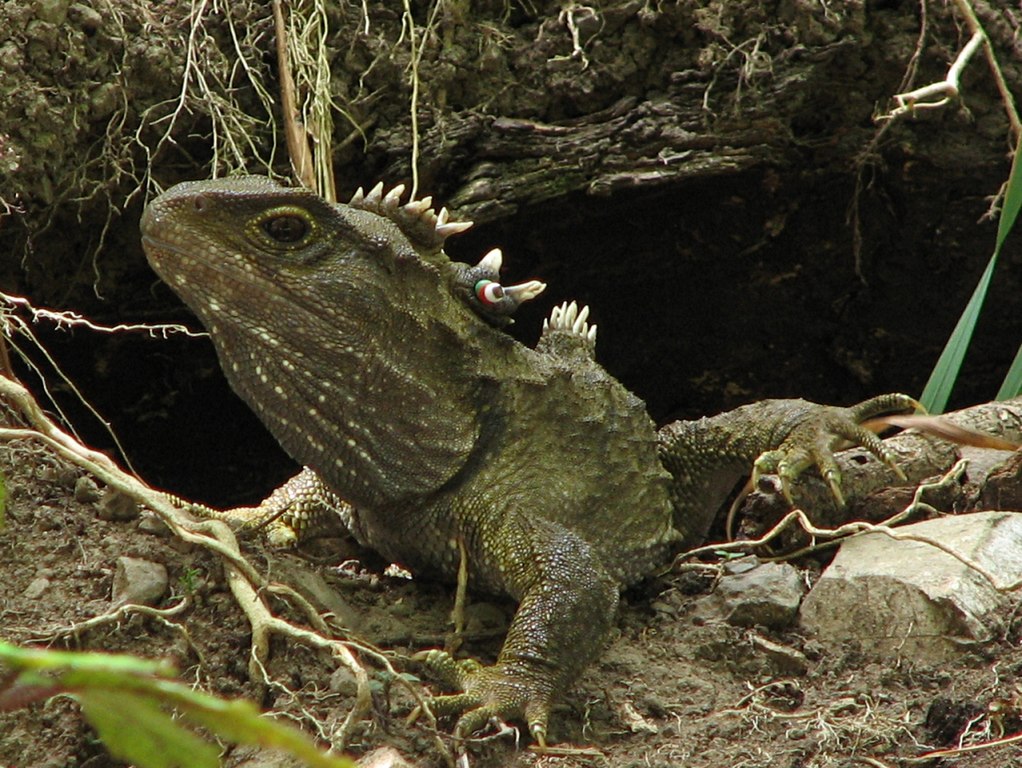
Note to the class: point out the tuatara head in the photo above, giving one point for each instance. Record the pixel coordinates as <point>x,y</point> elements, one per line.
<point>345,327</point>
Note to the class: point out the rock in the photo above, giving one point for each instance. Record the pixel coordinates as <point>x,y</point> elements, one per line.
<point>87,18</point>
<point>52,11</point>
<point>384,757</point>
<point>909,598</point>
<point>782,659</point>
<point>37,587</point>
<point>116,506</point>
<point>140,582</point>
<point>86,490</point>
<point>751,593</point>
<point>313,587</point>
<point>152,524</point>
<point>485,619</point>
<point>343,681</point>
<point>635,722</point>
<point>257,757</point>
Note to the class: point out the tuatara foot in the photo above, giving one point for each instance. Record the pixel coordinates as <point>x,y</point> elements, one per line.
<point>813,432</point>
<point>499,692</point>
<point>301,508</point>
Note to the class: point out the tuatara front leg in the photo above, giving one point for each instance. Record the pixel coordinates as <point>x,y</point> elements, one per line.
<point>566,608</point>
<point>302,508</point>
<point>786,437</point>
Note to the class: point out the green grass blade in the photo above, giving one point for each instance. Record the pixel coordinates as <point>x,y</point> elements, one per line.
<point>1012,385</point>
<point>1012,200</point>
<point>942,379</point>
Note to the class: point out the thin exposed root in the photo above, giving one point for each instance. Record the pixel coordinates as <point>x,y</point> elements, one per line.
<point>835,536</point>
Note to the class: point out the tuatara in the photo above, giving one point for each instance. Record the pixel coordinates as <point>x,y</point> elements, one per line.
<point>382,367</point>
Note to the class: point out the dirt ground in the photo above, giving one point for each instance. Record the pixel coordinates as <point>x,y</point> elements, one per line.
<point>673,688</point>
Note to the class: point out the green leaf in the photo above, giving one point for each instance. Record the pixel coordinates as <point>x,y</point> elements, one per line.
<point>942,379</point>
<point>1012,385</point>
<point>134,728</point>
<point>128,701</point>
<point>1012,199</point>
<point>74,661</point>
<point>240,721</point>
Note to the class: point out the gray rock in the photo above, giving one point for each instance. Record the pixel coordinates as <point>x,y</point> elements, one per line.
<point>86,490</point>
<point>140,582</point>
<point>53,11</point>
<point>909,598</point>
<point>152,524</point>
<point>751,593</point>
<point>385,757</point>
<point>313,587</point>
<point>116,506</point>
<point>37,587</point>
<point>343,681</point>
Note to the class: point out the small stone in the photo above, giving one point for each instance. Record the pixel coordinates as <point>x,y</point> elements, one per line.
<point>342,681</point>
<point>43,34</point>
<point>52,11</point>
<point>35,590</point>
<point>116,506</point>
<point>153,525</point>
<point>104,100</point>
<point>384,757</point>
<point>635,722</point>
<point>751,593</point>
<point>11,61</point>
<point>783,659</point>
<point>139,582</point>
<point>86,490</point>
<point>485,619</point>
<point>89,19</point>
<point>258,757</point>
<point>314,588</point>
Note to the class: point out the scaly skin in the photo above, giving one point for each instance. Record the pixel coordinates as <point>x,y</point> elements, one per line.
<point>379,365</point>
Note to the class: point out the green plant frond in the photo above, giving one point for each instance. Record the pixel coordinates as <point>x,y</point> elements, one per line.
<point>146,718</point>
<point>1012,200</point>
<point>116,664</point>
<point>942,379</point>
<point>134,728</point>
<point>1012,384</point>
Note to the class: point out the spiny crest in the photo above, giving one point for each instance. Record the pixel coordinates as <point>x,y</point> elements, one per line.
<point>571,318</point>
<point>416,218</point>
<point>479,285</point>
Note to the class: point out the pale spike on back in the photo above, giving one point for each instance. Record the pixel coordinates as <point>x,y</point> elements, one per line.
<point>375,194</point>
<point>393,198</point>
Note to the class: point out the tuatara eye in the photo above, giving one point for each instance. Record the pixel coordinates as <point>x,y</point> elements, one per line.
<point>286,228</point>
<point>489,292</point>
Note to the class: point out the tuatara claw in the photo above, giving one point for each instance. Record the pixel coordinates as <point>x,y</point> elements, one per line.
<point>817,431</point>
<point>488,694</point>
